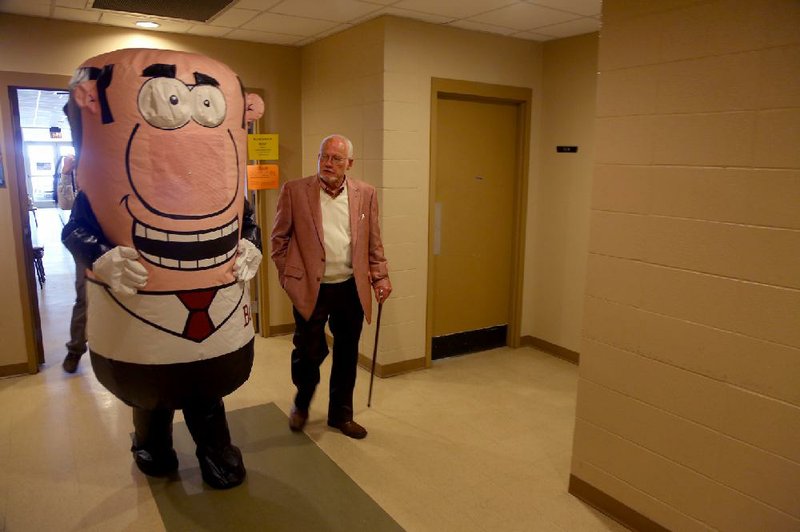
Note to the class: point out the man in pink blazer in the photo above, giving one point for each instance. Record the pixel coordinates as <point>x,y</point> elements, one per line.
<point>326,245</point>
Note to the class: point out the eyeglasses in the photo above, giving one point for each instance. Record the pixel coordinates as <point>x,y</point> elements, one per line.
<point>338,159</point>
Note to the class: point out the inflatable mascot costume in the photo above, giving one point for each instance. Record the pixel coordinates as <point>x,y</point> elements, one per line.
<point>163,221</point>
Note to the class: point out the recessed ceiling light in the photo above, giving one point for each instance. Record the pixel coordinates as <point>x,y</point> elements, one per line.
<point>148,24</point>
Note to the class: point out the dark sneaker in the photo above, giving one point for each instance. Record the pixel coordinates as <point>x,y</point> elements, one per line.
<point>70,363</point>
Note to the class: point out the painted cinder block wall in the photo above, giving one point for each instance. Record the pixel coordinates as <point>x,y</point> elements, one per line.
<point>382,101</point>
<point>688,405</point>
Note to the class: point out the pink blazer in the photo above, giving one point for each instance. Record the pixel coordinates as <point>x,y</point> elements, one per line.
<point>297,242</point>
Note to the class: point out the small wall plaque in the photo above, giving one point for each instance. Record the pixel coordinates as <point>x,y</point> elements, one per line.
<point>566,149</point>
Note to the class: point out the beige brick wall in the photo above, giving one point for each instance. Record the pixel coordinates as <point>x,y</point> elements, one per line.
<point>373,83</point>
<point>555,271</point>
<point>415,53</point>
<point>342,92</point>
<point>689,394</point>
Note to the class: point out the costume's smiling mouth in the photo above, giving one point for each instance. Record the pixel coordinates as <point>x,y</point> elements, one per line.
<point>186,250</point>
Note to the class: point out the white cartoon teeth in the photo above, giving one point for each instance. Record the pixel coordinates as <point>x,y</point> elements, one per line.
<point>164,236</point>
<point>150,233</point>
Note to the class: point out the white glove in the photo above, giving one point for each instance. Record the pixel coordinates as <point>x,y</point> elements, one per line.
<point>248,258</point>
<point>120,270</point>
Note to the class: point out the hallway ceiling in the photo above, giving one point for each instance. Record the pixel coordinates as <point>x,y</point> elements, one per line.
<point>42,108</point>
<point>300,22</point>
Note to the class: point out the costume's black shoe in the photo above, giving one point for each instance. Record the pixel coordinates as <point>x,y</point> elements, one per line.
<point>222,469</point>
<point>155,464</point>
<point>350,429</point>
<point>152,442</point>
<point>297,419</point>
<point>70,363</point>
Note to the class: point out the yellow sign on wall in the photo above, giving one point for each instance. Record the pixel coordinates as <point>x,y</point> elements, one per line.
<point>262,147</point>
<point>262,176</point>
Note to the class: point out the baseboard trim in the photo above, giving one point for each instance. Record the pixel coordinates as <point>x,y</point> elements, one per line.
<point>14,369</point>
<point>390,370</point>
<point>611,507</point>
<point>552,349</point>
<point>279,330</point>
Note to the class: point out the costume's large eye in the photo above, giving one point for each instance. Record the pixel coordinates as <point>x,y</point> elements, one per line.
<point>208,105</point>
<point>165,103</point>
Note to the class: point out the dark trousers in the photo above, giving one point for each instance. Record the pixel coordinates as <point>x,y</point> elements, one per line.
<point>338,306</point>
<point>77,325</point>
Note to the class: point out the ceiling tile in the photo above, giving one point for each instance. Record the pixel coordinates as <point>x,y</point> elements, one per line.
<point>335,10</point>
<point>589,8</point>
<point>425,17</point>
<point>258,5</point>
<point>335,29</point>
<point>265,37</point>
<point>478,26</point>
<point>573,27</point>
<point>24,7</point>
<point>129,21</point>
<point>75,4</point>
<point>523,17</point>
<point>452,8</point>
<point>310,20</point>
<point>532,36</point>
<point>81,15</point>
<point>208,31</point>
<point>233,18</point>
<point>288,25</point>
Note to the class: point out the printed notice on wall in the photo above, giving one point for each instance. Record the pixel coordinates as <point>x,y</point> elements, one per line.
<point>262,147</point>
<point>262,176</point>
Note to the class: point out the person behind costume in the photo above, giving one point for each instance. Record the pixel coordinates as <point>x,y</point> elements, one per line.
<point>76,346</point>
<point>172,243</point>
<point>327,248</point>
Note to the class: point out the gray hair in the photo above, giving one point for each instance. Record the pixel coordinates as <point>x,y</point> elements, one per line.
<point>337,136</point>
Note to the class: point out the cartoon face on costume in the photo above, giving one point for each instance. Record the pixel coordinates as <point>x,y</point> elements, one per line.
<point>162,160</point>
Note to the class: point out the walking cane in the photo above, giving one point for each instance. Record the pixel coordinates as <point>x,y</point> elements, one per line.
<point>375,349</point>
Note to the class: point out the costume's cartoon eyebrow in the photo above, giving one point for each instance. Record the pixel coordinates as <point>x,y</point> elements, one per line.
<point>159,70</point>
<point>204,79</point>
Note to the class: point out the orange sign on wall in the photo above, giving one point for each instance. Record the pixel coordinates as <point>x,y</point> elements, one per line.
<point>262,176</point>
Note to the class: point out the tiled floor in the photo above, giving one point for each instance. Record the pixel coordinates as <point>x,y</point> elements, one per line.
<point>476,443</point>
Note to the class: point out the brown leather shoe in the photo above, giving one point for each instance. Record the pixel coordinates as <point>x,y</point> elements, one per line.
<point>350,429</point>
<point>297,419</point>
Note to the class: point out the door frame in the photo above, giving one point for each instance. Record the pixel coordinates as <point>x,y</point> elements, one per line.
<point>18,198</point>
<point>485,92</point>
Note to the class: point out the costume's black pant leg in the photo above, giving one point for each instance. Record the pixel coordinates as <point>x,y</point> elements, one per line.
<point>152,441</point>
<point>152,429</point>
<point>310,350</point>
<point>208,425</point>
<point>221,462</point>
<point>346,322</point>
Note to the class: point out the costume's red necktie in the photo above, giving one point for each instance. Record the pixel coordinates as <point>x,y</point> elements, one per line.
<point>198,324</point>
